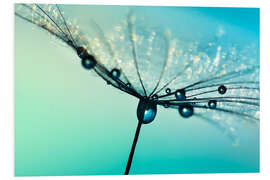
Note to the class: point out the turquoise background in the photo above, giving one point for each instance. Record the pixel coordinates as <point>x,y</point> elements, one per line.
<point>69,122</point>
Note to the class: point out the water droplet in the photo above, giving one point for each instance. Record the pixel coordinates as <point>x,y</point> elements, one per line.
<point>180,94</point>
<point>186,110</point>
<point>212,104</point>
<point>168,90</point>
<point>146,111</point>
<point>89,63</point>
<point>128,85</point>
<point>115,73</point>
<point>222,89</point>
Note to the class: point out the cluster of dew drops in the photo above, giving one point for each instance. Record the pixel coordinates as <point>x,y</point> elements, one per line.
<point>219,83</point>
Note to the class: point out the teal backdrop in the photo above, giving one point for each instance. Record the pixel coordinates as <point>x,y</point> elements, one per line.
<point>70,122</point>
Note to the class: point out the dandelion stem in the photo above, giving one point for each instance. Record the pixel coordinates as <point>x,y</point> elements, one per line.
<point>133,148</point>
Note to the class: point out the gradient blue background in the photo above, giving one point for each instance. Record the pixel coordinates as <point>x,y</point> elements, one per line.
<point>69,122</point>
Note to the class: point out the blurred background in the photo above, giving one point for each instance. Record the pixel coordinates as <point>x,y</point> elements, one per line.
<point>70,122</point>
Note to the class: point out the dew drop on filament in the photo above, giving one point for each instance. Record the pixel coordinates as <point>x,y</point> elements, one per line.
<point>89,62</point>
<point>212,104</point>
<point>168,90</point>
<point>186,110</point>
<point>115,73</point>
<point>180,94</point>
<point>222,89</point>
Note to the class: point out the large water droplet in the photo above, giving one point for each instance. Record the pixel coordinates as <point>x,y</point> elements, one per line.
<point>180,94</point>
<point>89,63</point>
<point>186,110</point>
<point>146,111</point>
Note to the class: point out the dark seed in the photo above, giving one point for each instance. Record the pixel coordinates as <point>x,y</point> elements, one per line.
<point>82,53</point>
<point>166,105</point>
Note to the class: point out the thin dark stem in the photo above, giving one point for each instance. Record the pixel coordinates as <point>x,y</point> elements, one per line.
<point>133,148</point>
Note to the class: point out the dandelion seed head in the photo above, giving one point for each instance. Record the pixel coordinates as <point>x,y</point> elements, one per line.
<point>138,52</point>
